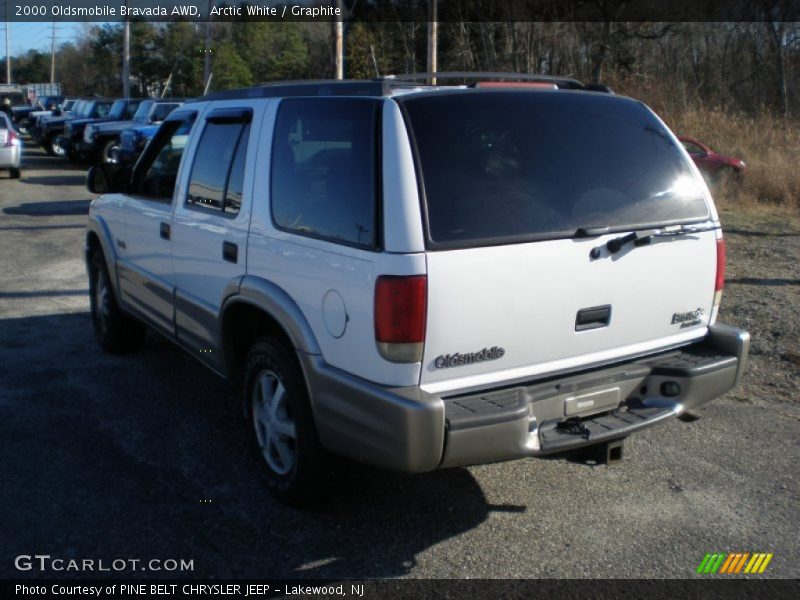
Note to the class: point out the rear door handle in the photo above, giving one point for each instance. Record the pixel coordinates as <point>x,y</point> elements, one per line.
<point>593,318</point>
<point>164,231</point>
<point>230,252</point>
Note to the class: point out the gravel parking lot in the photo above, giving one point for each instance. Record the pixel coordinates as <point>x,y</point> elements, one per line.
<point>144,456</point>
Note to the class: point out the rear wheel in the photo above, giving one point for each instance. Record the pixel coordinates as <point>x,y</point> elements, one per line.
<point>282,428</point>
<point>15,173</point>
<point>116,332</point>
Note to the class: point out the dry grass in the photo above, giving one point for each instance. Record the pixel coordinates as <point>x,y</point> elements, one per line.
<point>769,145</point>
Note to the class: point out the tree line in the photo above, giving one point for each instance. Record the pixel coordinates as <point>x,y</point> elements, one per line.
<point>743,66</point>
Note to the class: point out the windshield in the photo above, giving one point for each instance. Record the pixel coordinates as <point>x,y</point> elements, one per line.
<point>162,111</point>
<point>102,109</point>
<point>143,110</point>
<point>506,166</point>
<point>117,109</point>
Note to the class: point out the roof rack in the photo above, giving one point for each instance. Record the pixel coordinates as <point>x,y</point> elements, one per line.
<point>383,86</point>
<point>489,76</point>
<point>316,87</point>
<point>564,82</point>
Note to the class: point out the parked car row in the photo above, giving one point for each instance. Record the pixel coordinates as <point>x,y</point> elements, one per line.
<point>88,130</point>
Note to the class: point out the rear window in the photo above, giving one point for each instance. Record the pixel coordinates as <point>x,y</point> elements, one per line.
<point>511,166</point>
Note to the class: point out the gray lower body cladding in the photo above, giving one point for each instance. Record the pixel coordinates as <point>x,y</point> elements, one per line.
<point>409,430</point>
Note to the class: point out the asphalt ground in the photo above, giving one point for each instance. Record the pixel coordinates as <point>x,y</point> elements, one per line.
<point>145,457</point>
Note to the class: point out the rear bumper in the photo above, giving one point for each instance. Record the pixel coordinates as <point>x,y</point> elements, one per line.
<point>409,430</point>
<point>10,157</point>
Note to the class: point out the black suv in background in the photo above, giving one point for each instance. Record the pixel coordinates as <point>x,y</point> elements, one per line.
<point>100,138</point>
<point>67,144</point>
<point>50,128</point>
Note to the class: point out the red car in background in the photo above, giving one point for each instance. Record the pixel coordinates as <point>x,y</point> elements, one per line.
<point>711,164</point>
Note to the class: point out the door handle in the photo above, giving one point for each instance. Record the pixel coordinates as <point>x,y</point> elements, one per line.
<point>230,252</point>
<point>593,318</point>
<point>163,230</point>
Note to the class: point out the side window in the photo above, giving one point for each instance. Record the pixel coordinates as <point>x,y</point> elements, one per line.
<point>217,177</point>
<point>324,180</point>
<point>156,173</point>
<point>161,112</point>
<point>131,110</point>
<point>102,110</point>
<point>693,148</point>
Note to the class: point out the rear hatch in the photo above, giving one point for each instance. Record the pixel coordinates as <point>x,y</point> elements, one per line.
<point>522,193</point>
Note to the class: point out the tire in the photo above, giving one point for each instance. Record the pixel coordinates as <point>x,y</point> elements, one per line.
<point>116,332</point>
<point>104,154</point>
<point>281,425</point>
<point>50,146</point>
<point>15,173</point>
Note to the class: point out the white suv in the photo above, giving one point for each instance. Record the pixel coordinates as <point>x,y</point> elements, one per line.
<point>420,276</point>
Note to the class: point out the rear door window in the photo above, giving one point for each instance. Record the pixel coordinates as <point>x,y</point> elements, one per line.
<point>513,166</point>
<point>324,169</point>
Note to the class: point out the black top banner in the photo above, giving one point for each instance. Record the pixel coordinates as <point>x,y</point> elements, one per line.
<point>400,10</point>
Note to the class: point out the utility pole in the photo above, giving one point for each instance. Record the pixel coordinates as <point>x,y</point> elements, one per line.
<point>53,55</point>
<point>433,34</point>
<point>126,60</point>
<point>8,48</point>
<point>207,52</point>
<point>338,37</point>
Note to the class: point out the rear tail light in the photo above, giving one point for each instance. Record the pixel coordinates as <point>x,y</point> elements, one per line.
<point>719,282</point>
<point>400,313</point>
<point>11,140</point>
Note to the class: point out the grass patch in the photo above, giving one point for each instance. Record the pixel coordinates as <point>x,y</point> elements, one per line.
<point>769,145</point>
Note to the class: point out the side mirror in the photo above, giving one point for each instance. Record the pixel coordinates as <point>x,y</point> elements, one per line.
<point>108,178</point>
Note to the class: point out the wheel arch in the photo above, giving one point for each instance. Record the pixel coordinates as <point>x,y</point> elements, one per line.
<point>254,307</point>
<point>98,236</point>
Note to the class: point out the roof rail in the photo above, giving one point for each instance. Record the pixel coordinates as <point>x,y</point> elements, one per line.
<point>382,86</point>
<point>314,87</point>
<point>483,76</point>
<point>565,82</point>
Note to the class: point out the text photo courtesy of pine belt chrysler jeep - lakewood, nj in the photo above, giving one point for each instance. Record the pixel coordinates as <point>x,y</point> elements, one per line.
<point>420,276</point>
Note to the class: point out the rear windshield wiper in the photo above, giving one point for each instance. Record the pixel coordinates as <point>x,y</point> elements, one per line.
<point>645,236</point>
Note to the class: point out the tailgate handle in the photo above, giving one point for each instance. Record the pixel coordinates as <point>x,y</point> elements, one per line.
<point>593,318</point>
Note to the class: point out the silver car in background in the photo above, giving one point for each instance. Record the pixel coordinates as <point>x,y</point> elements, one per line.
<point>10,147</point>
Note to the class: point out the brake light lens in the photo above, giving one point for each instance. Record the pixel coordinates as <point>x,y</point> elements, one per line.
<point>719,282</point>
<point>401,305</point>
<point>11,140</point>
